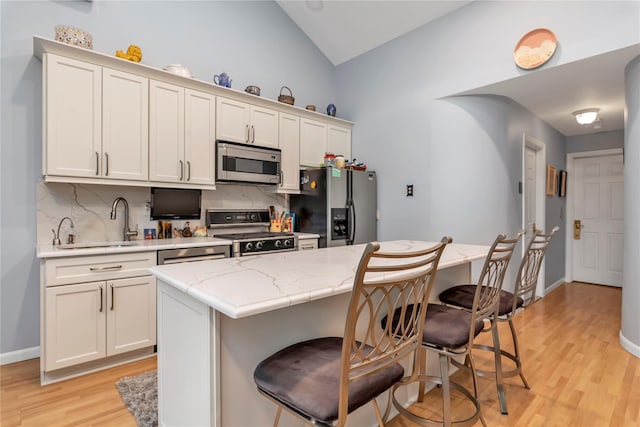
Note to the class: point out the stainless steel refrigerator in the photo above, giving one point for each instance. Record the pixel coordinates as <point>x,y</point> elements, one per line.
<point>338,204</point>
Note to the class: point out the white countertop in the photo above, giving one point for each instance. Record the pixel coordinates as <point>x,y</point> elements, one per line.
<point>245,286</point>
<point>50,251</point>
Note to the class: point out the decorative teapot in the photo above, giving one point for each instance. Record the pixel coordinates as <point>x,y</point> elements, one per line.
<point>222,80</point>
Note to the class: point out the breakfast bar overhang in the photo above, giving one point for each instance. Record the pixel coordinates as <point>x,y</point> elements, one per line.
<point>218,319</point>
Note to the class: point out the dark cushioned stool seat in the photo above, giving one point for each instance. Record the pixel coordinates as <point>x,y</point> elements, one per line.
<point>444,326</point>
<point>462,296</point>
<point>308,373</point>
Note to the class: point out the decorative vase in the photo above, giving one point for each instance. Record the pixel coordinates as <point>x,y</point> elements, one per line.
<point>331,110</point>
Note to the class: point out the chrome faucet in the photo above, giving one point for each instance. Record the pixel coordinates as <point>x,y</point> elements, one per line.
<point>127,232</point>
<point>56,235</point>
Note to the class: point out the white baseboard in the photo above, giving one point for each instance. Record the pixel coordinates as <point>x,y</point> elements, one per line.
<point>629,346</point>
<point>554,285</point>
<point>19,355</point>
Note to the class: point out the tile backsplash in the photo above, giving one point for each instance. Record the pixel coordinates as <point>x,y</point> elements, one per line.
<point>89,206</point>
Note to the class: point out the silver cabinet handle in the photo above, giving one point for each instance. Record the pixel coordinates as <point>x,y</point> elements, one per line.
<point>106,166</point>
<point>281,178</point>
<point>247,126</point>
<point>113,267</point>
<point>100,311</point>
<point>188,170</point>
<point>181,170</point>
<point>111,286</point>
<point>253,134</point>
<point>97,163</point>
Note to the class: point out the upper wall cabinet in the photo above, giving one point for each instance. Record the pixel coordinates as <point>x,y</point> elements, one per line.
<point>95,121</point>
<point>313,142</point>
<point>182,135</point>
<point>247,124</point>
<point>290,147</point>
<point>107,120</point>
<point>339,141</point>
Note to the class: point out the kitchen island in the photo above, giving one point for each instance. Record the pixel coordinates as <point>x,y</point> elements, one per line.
<point>218,319</point>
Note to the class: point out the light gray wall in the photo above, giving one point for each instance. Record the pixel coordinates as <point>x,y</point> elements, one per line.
<point>451,149</point>
<point>464,154</point>
<point>254,42</point>
<point>595,141</point>
<point>630,330</point>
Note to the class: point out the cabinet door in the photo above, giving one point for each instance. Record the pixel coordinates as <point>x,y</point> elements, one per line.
<point>339,141</point>
<point>313,142</point>
<point>131,314</point>
<point>200,137</point>
<point>125,126</point>
<point>72,109</point>
<point>264,127</point>
<point>232,121</point>
<point>166,132</point>
<point>75,324</point>
<point>290,146</point>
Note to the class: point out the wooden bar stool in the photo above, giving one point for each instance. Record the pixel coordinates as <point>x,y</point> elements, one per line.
<point>510,304</point>
<point>323,380</point>
<point>449,332</point>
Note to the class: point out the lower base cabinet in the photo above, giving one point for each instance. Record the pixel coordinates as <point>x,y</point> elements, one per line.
<point>96,312</point>
<point>89,321</point>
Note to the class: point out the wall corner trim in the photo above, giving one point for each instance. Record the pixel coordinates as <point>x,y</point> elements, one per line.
<point>632,348</point>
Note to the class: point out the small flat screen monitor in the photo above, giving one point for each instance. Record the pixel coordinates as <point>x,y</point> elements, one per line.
<point>175,203</point>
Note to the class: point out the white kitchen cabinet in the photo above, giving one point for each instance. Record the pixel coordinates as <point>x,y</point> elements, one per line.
<point>306,243</point>
<point>96,311</point>
<point>246,124</point>
<point>131,314</point>
<point>289,137</point>
<point>339,141</point>
<point>91,321</point>
<point>313,142</point>
<point>96,121</point>
<point>182,135</point>
<point>75,325</point>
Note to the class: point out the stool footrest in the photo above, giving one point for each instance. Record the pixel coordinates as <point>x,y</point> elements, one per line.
<point>430,422</point>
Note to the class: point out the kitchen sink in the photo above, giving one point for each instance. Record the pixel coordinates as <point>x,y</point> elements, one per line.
<point>88,245</point>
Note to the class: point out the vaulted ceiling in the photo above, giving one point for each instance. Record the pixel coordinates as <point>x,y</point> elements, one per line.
<point>551,94</point>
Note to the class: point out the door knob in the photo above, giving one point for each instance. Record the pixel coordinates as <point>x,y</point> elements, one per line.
<point>577,228</point>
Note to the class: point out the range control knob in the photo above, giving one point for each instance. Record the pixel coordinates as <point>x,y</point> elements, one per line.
<point>287,243</point>
<point>259,245</point>
<point>278,244</point>
<point>248,246</point>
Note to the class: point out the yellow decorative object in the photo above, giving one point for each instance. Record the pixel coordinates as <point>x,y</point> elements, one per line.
<point>200,231</point>
<point>134,53</point>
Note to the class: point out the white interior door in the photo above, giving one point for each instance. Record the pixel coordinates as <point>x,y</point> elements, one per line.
<point>530,189</point>
<point>533,198</point>
<point>599,206</point>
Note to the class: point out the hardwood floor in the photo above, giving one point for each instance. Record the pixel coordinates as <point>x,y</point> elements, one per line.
<point>578,373</point>
<point>90,400</point>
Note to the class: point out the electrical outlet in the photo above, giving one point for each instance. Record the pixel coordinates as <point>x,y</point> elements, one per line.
<point>409,190</point>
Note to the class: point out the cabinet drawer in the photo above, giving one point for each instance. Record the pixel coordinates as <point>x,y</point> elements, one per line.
<point>62,271</point>
<point>304,244</point>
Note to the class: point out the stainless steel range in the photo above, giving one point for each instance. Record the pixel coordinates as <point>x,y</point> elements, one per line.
<point>249,232</point>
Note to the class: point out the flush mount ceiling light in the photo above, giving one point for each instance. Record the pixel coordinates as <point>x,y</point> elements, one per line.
<point>587,116</point>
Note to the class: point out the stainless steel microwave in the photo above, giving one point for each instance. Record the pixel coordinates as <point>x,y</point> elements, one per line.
<point>247,163</point>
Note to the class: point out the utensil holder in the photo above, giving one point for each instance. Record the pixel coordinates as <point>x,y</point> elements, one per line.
<point>276,226</point>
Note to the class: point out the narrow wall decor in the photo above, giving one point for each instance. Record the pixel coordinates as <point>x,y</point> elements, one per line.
<point>562,185</point>
<point>552,180</point>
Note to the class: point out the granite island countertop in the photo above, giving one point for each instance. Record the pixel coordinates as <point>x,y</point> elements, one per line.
<point>245,286</point>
